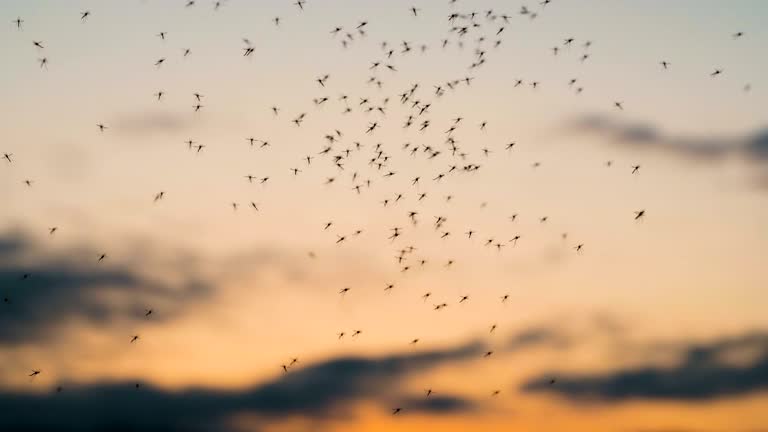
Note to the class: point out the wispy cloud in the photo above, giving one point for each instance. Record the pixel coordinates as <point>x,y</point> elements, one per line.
<point>752,146</point>
<point>151,122</point>
<point>539,335</point>
<point>705,371</point>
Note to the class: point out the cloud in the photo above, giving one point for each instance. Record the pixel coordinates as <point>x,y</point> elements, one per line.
<point>320,391</point>
<point>317,391</point>
<point>757,146</point>
<point>753,147</point>
<point>10,245</point>
<point>150,122</point>
<point>47,290</point>
<point>727,367</point>
<point>44,290</point>
<point>440,404</point>
<point>539,335</point>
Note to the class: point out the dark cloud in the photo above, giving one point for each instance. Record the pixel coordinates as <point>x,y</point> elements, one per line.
<point>705,372</point>
<point>317,391</point>
<point>45,290</point>
<point>753,147</point>
<point>439,404</point>
<point>321,391</point>
<point>757,146</point>
<point>10,245</point>
<point>151,122</point>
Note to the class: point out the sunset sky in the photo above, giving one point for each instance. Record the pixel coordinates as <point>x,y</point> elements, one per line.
<point>655,324</point>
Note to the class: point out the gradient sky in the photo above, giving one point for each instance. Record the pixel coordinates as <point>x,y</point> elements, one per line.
<point>656,325</point>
